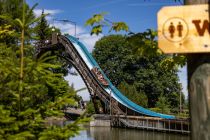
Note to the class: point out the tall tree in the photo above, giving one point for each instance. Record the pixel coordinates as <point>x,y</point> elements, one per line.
<point>43,29</point>
<point>43,32</point>
<point>43,93</point>
<point>163,104</point>
<point>121,59</point>
<point>112,54</point>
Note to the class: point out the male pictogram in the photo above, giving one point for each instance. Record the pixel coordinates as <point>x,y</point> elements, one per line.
<point>180,29</point>
<point>171,30</point>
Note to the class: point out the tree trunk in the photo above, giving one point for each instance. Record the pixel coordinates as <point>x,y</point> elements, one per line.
<point>21,68</point>
<point>22,56</point>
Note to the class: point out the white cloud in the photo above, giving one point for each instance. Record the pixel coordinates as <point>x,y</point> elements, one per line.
<point>68,28</point>
<point>51,13</point>
<point>38,12</point>
<point>89,40</point>
<point>81,33</point>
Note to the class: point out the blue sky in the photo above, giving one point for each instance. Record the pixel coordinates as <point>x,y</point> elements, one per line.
<point>138,14</point>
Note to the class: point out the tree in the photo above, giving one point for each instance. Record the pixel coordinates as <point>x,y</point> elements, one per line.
<point>120,58</point>
<point>163,104</point>
<point>31,91</point>
<point>42,28</point>
<point>90,108</point>
<point>44,95</point>
<point>43,32</point>
<point>131,93</point>
<point>112,54</point>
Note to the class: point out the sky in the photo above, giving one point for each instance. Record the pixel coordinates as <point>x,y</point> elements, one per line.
<point>140,15</point>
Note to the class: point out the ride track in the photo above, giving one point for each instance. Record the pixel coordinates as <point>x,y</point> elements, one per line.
<point>114,102</point>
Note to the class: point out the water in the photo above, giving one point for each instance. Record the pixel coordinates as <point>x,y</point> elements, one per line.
<point>107,133</point>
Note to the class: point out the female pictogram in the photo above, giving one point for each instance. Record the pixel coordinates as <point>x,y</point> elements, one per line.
<point>180,29</point>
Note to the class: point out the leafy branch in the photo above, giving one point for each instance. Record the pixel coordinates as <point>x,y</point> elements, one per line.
<point>98,21</point>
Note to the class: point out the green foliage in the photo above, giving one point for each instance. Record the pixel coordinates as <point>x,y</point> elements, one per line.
<point>144,44</point>
<point>163,104</point>
<point>44,95</point>
<point>18,22</point>
<point>119,26</point>
<point>42,92</point>
<point>63,133</point>
<point>90,108</point>
<point>184,114</point>
<point>12,8</point>
<point>98,105</point>
<point>112,54</point>
<point>98,21</point>
<point>131,93</point>
<point>175,60</point>
<point>42,29</point>
<point>137,61</point>
<point>5,31</point>
<point>96,30</point>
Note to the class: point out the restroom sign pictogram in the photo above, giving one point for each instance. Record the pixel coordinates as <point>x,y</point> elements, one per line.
<point>175,29</point>
<point>184,29</point>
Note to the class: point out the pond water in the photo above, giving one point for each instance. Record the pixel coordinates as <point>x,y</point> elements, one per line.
<point>107,133</point>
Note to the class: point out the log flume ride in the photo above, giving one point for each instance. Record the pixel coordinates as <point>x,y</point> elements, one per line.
<point>99,86</point>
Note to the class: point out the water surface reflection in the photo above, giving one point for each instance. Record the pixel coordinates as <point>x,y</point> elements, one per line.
<point>106,133</point>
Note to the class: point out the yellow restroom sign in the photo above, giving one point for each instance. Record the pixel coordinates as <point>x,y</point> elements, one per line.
<point>184,29</point>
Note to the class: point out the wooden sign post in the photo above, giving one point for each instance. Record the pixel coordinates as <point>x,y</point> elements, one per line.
<point>186,30</point>
<point>198,66</point>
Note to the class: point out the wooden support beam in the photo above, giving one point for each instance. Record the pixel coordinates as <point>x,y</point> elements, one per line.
<point>54,38</point>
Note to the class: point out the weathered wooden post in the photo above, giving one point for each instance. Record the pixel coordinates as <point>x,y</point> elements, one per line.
<point>198,66</point>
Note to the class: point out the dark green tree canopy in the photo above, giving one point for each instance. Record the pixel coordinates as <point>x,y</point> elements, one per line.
<point>42,28</point>
<point>131,92</point>
<point>123,59</point>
